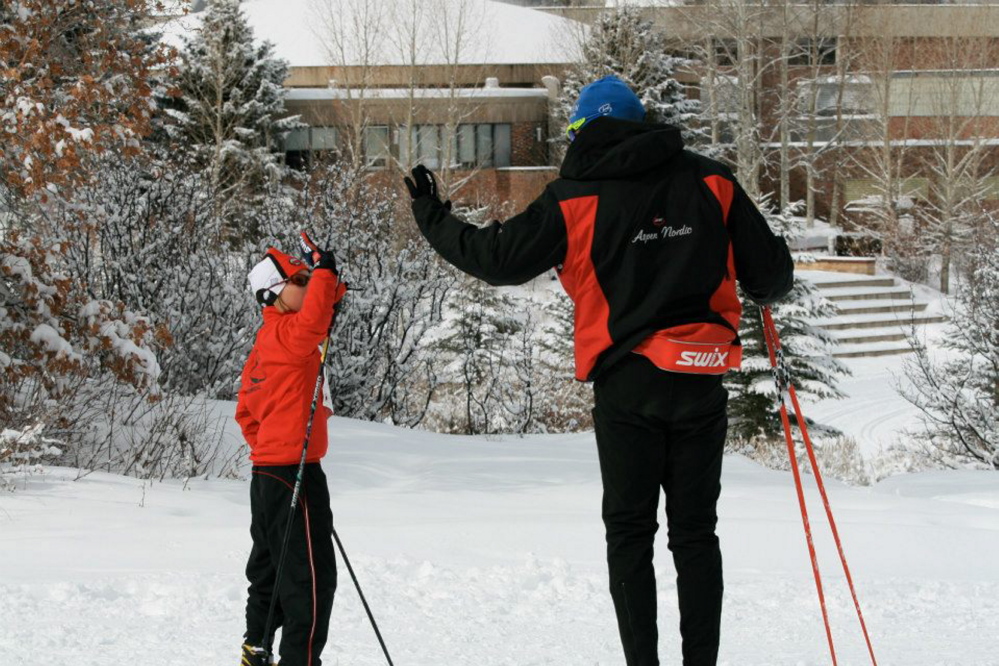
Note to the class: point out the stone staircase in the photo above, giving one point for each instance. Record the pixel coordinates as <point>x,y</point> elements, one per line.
<point>874,313</point>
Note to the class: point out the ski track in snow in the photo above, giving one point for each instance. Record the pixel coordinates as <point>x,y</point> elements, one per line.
<point>483,552</point>
<point>873,413</point>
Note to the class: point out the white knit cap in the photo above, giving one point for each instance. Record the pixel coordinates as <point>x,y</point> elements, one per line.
<point>270,275</point>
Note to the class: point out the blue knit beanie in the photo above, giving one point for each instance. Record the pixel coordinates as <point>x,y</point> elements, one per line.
<point>609,96</point>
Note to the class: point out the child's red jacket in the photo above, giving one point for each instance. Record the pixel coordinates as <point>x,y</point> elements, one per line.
<point>280,374</point>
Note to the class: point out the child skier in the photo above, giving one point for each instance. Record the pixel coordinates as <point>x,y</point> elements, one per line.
<point>275,399</point>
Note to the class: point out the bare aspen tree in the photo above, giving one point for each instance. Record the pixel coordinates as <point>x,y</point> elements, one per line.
<point>408,42</point>
<point>458,28</point>
<point>363,37</point>
<point>958,97</point>
<point>847,116</point>
<point>825,32</point>
<point>353,35</point>
<point>888,202</point>
<point>730,36</point>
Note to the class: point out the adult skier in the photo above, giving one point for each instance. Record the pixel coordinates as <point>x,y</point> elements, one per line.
<point>275,400</point>
<point>648,240</point>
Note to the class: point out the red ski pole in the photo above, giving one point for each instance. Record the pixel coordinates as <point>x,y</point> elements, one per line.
<point>782,378</point>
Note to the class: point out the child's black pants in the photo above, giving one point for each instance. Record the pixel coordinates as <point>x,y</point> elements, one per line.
<point>308,582</point>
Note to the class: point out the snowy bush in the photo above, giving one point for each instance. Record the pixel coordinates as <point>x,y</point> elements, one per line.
<point>22,452</point>
<point>838,456</point>
<point>175,437</point>
<point>958,389</point>
<point>89,370</point>
<point>144,233</point>
<point>63,351</point>
<point>382,367</point>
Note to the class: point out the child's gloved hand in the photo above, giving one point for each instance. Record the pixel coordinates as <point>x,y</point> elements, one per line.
<point>314,256</point>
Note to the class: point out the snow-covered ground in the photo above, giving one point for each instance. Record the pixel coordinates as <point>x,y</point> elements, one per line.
<point>477,551</point>
<point>874,414</point>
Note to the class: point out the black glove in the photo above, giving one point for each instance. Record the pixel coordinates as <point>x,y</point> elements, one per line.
<point>314,256</point>
<point>423,184</point>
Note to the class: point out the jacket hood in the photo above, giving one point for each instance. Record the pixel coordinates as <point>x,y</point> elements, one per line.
<point>614,148</point>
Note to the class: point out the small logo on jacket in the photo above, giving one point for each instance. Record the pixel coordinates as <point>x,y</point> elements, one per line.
<point>662,232</point>
<point>714,359</point>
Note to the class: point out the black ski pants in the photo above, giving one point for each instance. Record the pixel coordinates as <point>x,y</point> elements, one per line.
<point>658,429</point>
<point>305,599</point>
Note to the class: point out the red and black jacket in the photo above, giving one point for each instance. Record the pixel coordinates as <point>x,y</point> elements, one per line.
<point>275,394</point>
<point>648,240</point>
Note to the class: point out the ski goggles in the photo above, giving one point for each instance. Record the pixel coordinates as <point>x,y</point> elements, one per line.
<point>299,279</point>
<point>573,129</point>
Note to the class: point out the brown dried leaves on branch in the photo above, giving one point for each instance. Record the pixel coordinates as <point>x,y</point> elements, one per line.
<point>76,78</point>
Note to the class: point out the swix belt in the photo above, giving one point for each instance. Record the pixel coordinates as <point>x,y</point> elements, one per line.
<point>701,358</point>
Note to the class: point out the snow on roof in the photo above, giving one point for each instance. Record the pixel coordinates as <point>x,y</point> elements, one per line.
<point>339,32</point>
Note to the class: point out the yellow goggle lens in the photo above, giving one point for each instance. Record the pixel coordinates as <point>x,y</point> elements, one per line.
<point>571,130</point>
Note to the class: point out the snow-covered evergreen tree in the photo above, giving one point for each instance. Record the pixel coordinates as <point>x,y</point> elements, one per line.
<point>752,405</point>
<point>623,43</point>
<point>958,393</point>
<point>565,404</point>
<point>229,115</point>
<point>483,322</point>
<point>521,391</point>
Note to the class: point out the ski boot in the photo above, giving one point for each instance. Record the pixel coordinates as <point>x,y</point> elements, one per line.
<point>254,656</point>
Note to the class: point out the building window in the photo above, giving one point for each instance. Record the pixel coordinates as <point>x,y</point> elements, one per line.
<point>484,145</point>
<point>944,93</point>
<point>469,146</point>
<point>813,52</point>
<point>991,189</point>
<point>868,189</point>
<point>427,145</point>
<point>843,109</point>
<point>296,140</point>
<point>502,145</point>
<point>376,147</point>
<point>310,139</point>
<point>466,145</point>
<point>300,144</point>
<point>726,52</point>
<point>323,138</point>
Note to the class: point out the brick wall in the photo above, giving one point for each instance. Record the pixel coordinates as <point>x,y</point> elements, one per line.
<point>505,191</point>
<point>526,148</point>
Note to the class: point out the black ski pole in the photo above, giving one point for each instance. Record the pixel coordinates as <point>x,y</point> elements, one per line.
<point>357,586</point>
<point>367,609</point>
<point>294,495</point>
